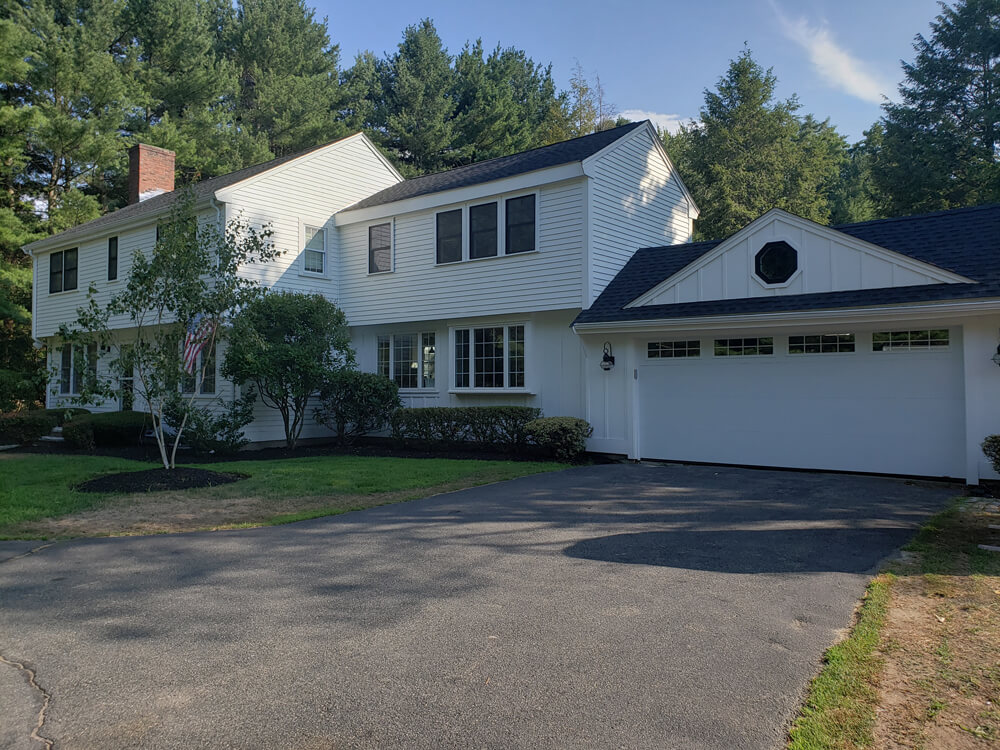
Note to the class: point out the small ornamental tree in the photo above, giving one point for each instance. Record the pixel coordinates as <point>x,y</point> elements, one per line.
<point>190,283</point>
<point>287,345</point>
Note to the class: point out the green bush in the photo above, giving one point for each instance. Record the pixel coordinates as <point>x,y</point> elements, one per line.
<point>563,437</point>
<point>355,403</point>
<point>24,428</point>
<point>496,426</point>
<point>64,415</point>
<point>115,428</point>
<point>991,449</point>
<point>207,431</point>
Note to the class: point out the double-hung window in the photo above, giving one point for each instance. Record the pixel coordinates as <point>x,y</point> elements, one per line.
<point>314,252</point>
<point>76,362</point>
<point>489,357</point>
<point>486,230</point>
<point>112,258</point>
<point>63,270</point>
<point>407,359</point>
<point>202,379</point>
<point>380,248</point>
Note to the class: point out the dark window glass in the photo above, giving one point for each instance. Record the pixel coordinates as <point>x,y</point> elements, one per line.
<point>382,356</point>
<point>380,248</point>
<point>112,258</point>
<point>488,353</point>
<point>520,224</point>
<point>462,358</point>
<point>515,357</point>
<point>66,369</point>
<point>449,236</point>
<point>208,378</point>
<point>884,341</point>
<point>483,231</point>
<point>671,349</point>
<point>827,343</point>
<point>69,269</point>
<point>55,272</point>
<point>405,368</point>
<point>744,347</point>
<point>776,262</point>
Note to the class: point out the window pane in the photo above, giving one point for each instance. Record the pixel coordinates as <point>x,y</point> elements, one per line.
<point>316,238</point>
<point>66,369</point>
<point>92,363</point>
<point>462,358</point>
<point>55,272</point>
<point>404,360</point>
<point>488,357</point>
<point>382,356</point>
<point>380,248</point>
<point>112,258</point>
<point>428,351</point>
<point>69,269</point>
<point>483,231</point>
<point>79,362</point>
<point>449,236</point>
<point>208,378</point>
<point>314,261</point>
<point>520,224</point>
<point>515,357</point>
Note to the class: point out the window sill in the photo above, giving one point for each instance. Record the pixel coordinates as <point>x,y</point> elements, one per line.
<point>493,391</point>
<point>311,275</point>
<point>64,291</point>
<point>488,257</point>
<point>418,391</point>
<point>380,273</point>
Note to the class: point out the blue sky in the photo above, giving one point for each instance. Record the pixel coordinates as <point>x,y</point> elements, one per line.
<point>658,57</point>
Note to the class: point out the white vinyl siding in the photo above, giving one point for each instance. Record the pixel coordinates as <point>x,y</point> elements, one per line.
<point>636,201</point>
<point>420,289</point>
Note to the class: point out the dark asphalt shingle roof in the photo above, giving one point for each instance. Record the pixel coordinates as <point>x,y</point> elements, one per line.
<point>564,152</point>
<point>965,241</point>
<point>203,189</point>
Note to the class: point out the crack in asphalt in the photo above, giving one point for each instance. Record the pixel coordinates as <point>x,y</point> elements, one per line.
<point>31,551</point>
<point>46,699</point>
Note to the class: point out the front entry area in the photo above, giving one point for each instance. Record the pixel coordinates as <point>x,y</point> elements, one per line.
<point>868,401</point>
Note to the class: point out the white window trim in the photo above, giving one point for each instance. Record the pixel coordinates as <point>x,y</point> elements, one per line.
<point>303,271</point>
<point>471,389</point>
<point>48,278</point>
<point>392,245</point>
<point>420,363</point>
<point>199,376</point>
<point>73,391</point>
<point>501,201</point>
<point>799,261</point>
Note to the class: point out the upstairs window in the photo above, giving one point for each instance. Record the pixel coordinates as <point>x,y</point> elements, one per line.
<point>112,258</point>
<point>62,271</point>
<point>407,359</point>
<point>314,253</point>
<point>490,357</point>
<point>483,231</point>
<point>449,236</point>
<point>520,225</point>
<point>380,248</point>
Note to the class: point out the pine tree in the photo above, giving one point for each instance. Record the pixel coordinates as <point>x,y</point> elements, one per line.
<point>942,140</point>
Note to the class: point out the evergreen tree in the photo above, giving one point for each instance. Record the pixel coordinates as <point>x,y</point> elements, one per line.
<point>942,139</point>
<point>856,196</point>
<point>749,153</point>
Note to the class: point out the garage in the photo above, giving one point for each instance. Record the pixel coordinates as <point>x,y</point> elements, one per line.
<point>888,401</point>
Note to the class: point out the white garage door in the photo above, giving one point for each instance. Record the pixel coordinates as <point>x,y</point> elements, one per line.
<point>898,412</point>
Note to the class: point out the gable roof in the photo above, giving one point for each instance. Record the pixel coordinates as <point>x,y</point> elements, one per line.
<point>564,152</point>
<point>202,190</point>
<point>965,241</point>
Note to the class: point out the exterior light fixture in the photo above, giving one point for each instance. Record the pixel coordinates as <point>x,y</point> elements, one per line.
<point>995,357</point>
<point>608,360</point>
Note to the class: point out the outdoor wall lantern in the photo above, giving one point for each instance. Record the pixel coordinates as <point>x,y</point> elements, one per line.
<point>608,360</point>
<point>995,357</point>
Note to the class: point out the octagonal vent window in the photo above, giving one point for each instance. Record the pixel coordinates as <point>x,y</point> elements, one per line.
<point>776,262</point>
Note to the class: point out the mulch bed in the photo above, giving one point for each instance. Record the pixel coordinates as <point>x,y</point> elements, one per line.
<point>157,480</point>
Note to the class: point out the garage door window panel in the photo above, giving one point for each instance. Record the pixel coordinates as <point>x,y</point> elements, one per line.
<point>917,340</point>
<point>673,349</point>
<point>744,347</point>
<point>826,343</point>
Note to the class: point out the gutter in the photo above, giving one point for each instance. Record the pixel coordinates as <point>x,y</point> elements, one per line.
<point>793,317</point>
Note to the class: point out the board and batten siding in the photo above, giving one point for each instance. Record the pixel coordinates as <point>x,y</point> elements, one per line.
<point>307,192</point>
<point>418,289</point>
<point>828,261</point>
<point>636,200</point>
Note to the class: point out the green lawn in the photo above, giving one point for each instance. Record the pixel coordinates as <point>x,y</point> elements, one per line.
<point>36,487</point>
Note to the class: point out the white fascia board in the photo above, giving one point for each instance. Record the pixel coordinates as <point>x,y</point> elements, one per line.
<point>693,210</point>
<point>524,181</point>
<point>890,256</point>
<point>799,318</point>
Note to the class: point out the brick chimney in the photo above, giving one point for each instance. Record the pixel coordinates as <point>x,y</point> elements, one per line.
<point>150,172</point>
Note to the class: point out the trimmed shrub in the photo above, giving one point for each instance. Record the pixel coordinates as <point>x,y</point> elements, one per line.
<point>24,428</point>
<point>355,403</point>
<point>62,416</point>
<point>208,431</point>
<point>501,427</point>
<point>116,428</point>
<point>991,449</point>
<point>563,437</point>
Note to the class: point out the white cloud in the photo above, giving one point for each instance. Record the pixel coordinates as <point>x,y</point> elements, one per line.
<point>835,64</point>
<point>670,123</point>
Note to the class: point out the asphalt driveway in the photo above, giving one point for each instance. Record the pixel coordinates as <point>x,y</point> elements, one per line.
<point>601,607</point>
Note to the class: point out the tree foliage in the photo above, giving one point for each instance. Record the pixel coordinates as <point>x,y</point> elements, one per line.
<point>288,345</point>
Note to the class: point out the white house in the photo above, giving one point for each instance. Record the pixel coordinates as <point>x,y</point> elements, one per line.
<point>519,280</point>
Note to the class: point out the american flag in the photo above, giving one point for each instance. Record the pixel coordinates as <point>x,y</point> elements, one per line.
<point>199,331</point>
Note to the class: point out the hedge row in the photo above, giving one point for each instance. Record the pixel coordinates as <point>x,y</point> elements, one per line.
<point>25,427</point>
<point>109,429</point>
<point>499,426</point>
